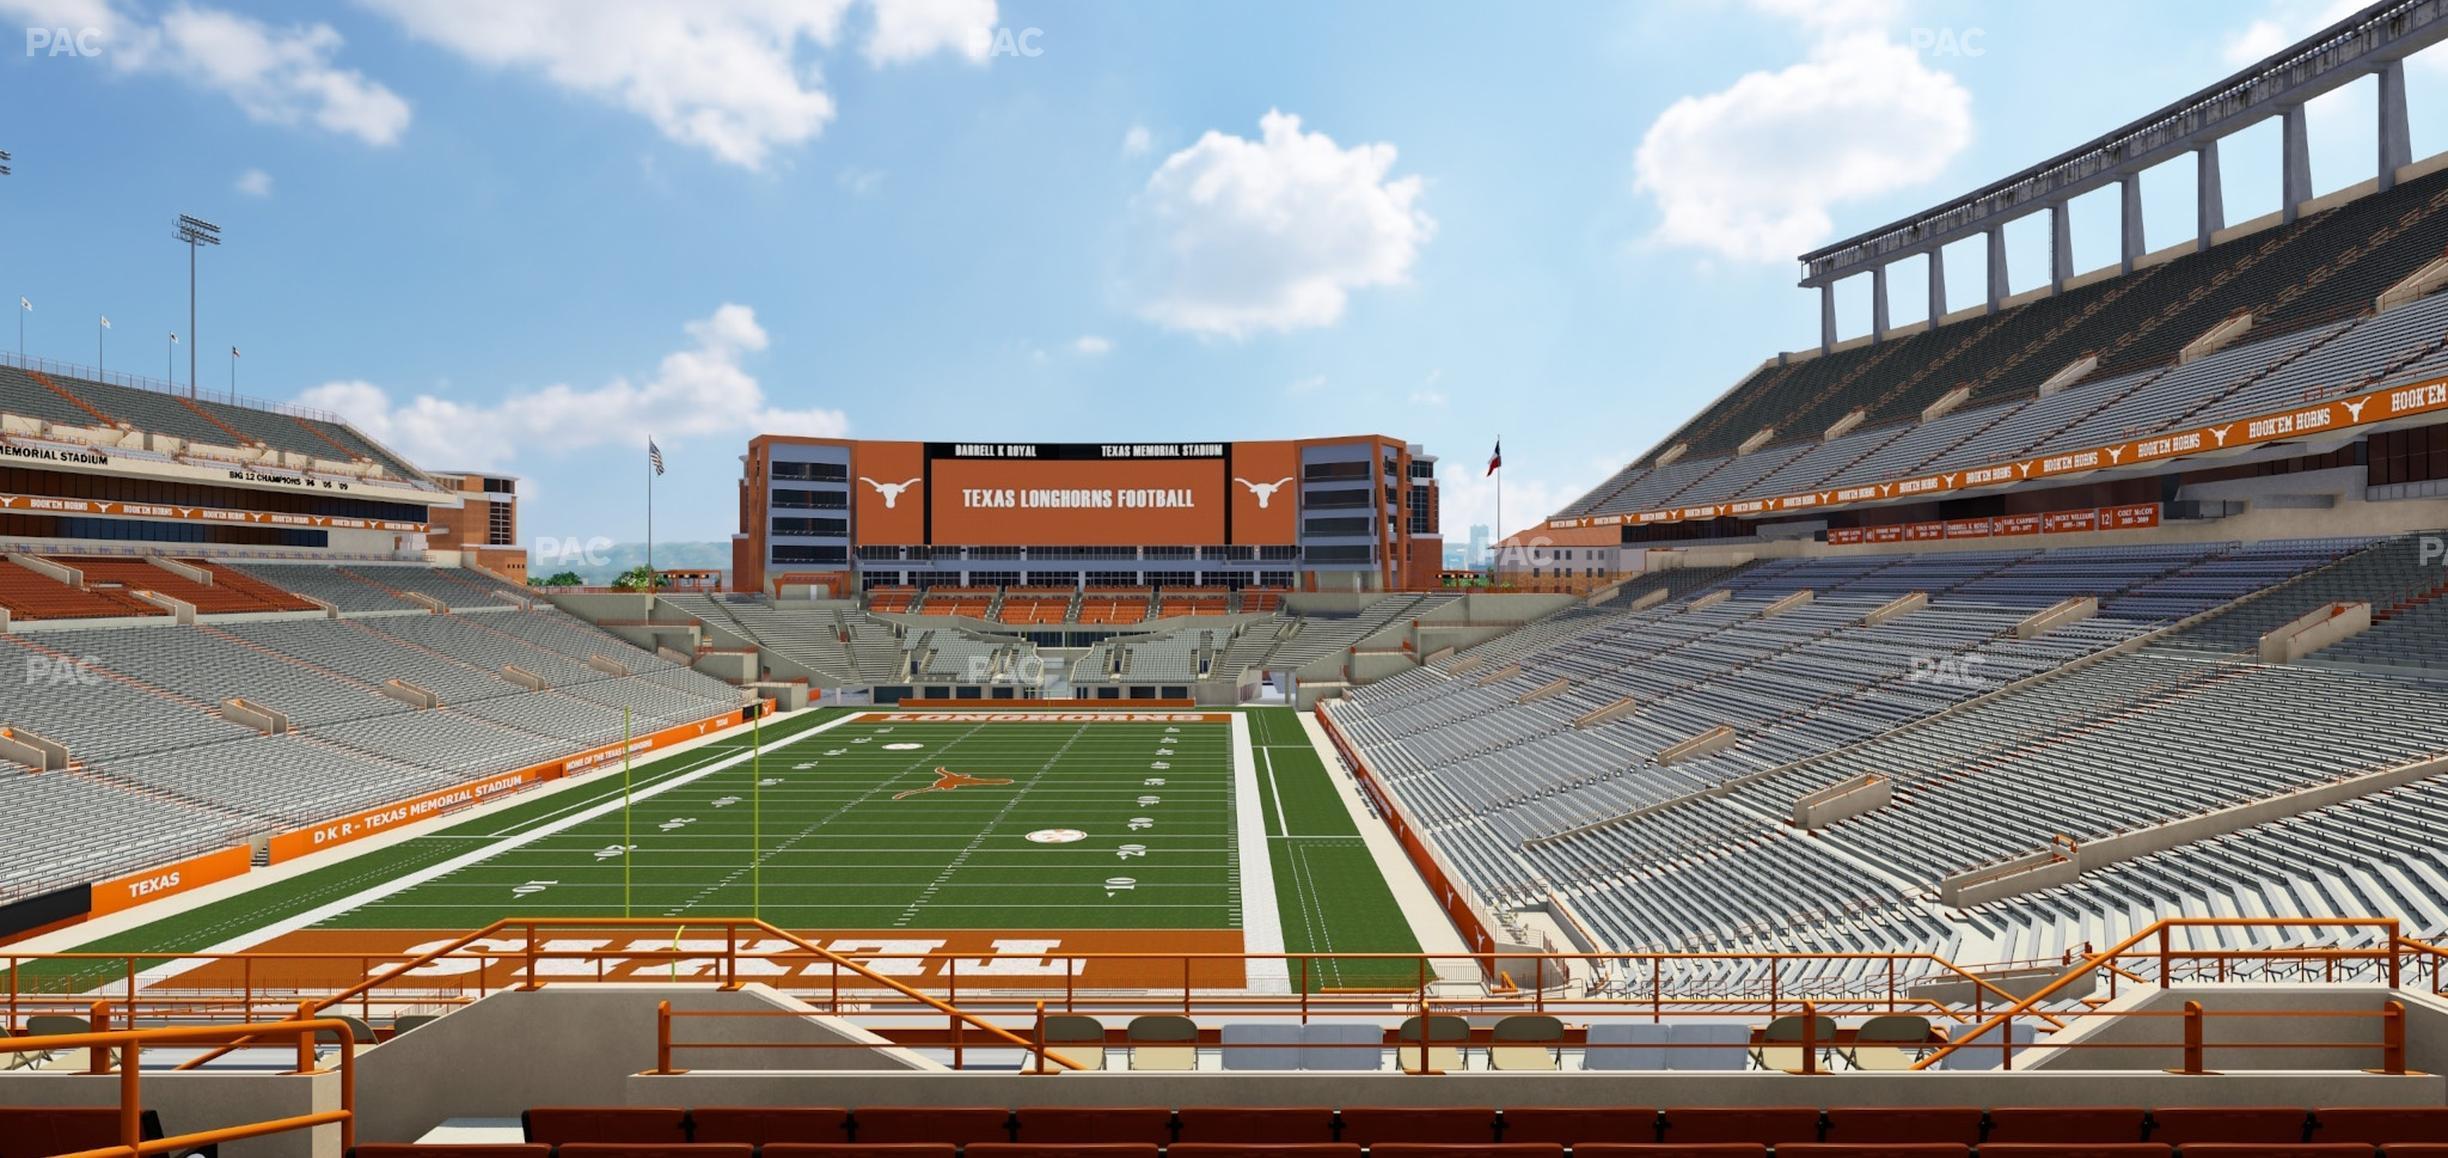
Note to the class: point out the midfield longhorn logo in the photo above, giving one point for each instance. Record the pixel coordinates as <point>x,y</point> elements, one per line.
<point>946,780</point>
<point>890,492</point>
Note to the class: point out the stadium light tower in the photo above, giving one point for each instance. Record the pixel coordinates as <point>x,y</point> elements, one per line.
<point>195,232</point>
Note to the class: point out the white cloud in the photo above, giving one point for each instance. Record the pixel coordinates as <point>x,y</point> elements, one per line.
<point>1754,171</point>
<point>859,182</point>
<point>702,391</point>
<point>737,78</point>
<point>1308,385</point>
<point>1092,346</point>
<point>2283,23</point>
<point>726,76</point>
<point>907,30</point>
<point>255,183</point>
<point>1432,398</point>
<point>283,75</point>
<point>1236,236</point>
<point>1137,140</point>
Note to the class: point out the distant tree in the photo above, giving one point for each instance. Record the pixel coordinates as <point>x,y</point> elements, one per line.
<point>640,578</point>
<point>562,579</point>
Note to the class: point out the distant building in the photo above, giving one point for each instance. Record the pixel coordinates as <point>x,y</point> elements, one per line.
<point>1478,546</point>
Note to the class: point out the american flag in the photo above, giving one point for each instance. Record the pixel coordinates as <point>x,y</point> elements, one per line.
<point>654,456</point>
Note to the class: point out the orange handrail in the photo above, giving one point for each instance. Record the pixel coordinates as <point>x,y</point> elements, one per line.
<point>731,929</point>
<point>2160,930</point>
<point>131,1043</point>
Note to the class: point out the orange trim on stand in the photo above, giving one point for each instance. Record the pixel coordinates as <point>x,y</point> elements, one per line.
<point>169,880</point>
<point>938,703</point>
<point>357,826</point>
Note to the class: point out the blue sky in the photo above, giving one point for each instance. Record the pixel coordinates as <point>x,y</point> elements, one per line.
<point>520,235</point>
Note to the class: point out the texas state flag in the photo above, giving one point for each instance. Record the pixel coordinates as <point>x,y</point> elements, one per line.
<point>1496,457</point>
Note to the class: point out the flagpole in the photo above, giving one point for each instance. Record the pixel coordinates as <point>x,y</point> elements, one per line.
<point>651,585</point>
<point>628,840</point>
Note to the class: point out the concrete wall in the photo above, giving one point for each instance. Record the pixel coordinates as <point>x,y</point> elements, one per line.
<point>577,1045</point>
<point>192,1102</point>
<point>2298,1037</point>
<point>2021,1088</point>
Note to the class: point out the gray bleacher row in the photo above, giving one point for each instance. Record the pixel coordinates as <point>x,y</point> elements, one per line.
<point>1494,780</point>
<point>360,588</point>
<point>137,708</point>
<point>2254,377</point>
<point>200,420</point>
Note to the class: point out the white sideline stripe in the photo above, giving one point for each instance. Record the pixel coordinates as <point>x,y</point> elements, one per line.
<point>1261,917</point>
<point>173,968</point>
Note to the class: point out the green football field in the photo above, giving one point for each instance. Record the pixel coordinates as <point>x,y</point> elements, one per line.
<point>1057,826</point>
<point>851,828</point>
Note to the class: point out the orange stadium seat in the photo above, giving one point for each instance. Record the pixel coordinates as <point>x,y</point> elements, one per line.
<point>1114,605</point>
<point>2076,1150</point>
<point>1873,1150</point>
<point>1853,1125</point>
<point>758,1125</point>
<point>2275,1150</point>
<point>129,575</point>
<point>2066,1125</point>
<point>1467,1150</point>
<point>1262,1124</point>
<point>40,1131</point>
<point>1194,601</point>
<point>451,1150</point>
<point>1078,1125</point>
<point>2394,1126</point>
<point>971,602</point>
<point>958,1124</point>
<point>1061,1150</point>
<point>233,580</point>
<point>558,1125</point>
<point>29,594</point>
<point>1025,605</point>
<point>1260,600</point>
<point>1671,1150</point>
<point>1262,1150</point>
<point>654,1150</point>
<point>1370,1125</point>
<point>839,1150</point>
<point>2186,1126</point>
<point>1574,1125</point>
<point>891,600</point>
<point>1773,1125</point>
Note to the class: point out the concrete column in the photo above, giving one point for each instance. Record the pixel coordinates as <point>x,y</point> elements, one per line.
<point>2061,245</point>
<point>2134,244</point>
<point>2209,205</point>
<point>1997,267</point>
<point>1937,286</point>
<point>1878,303</point>
<point>1827,316</point>
<point>2295,162</point>
<point>2396,141</point>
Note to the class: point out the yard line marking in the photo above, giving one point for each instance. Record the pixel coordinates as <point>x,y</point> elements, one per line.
<point>397,885</point>
<point>958,859</point>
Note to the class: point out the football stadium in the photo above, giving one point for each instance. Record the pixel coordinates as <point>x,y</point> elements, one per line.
<point>2018,733</point>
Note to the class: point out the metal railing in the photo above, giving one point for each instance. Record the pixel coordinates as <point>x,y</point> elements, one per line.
<point>129,1044</point>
